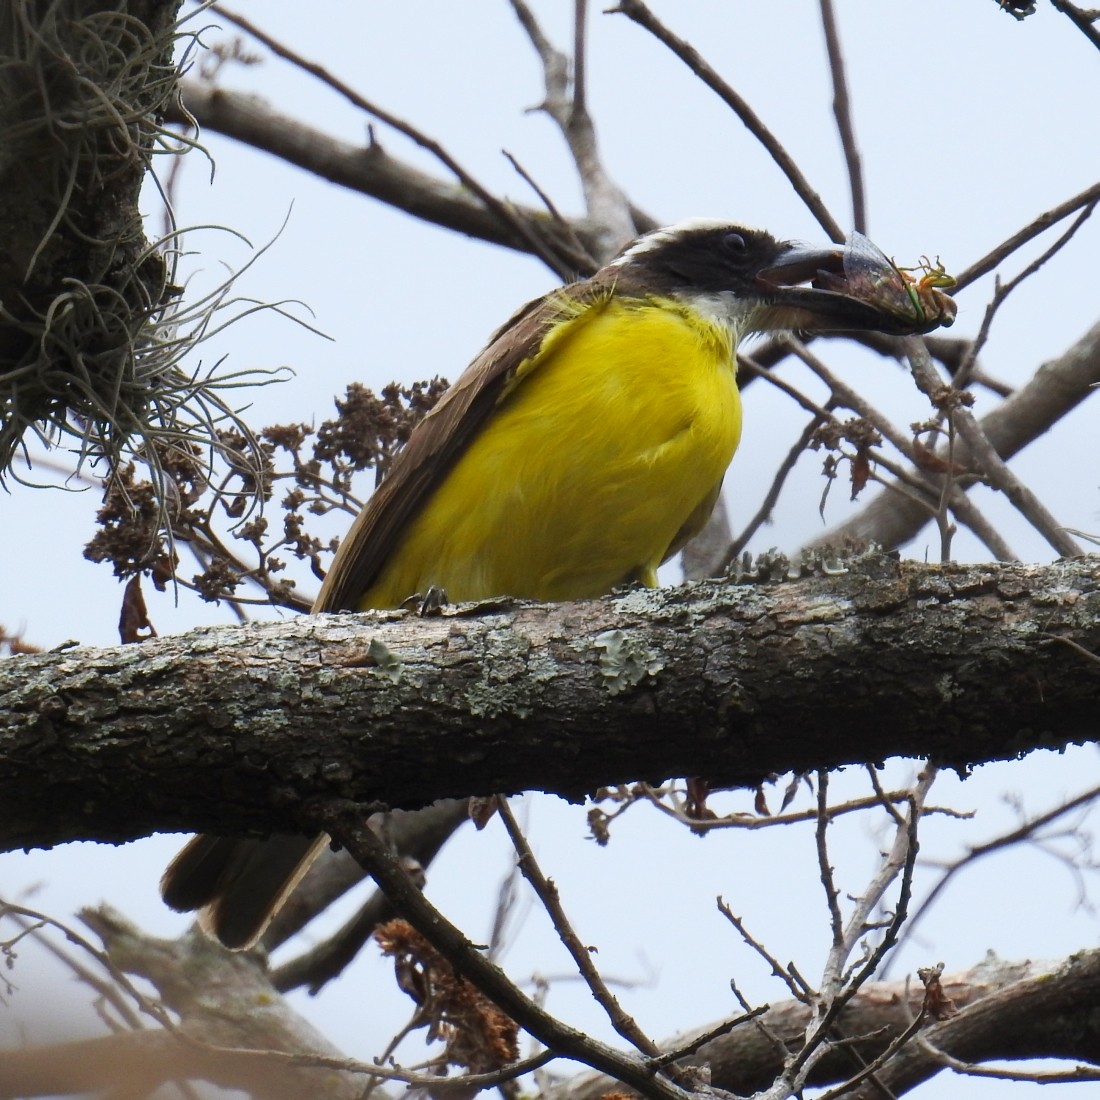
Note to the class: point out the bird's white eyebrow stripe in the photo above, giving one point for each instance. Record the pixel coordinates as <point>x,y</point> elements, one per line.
<point>660,237</point>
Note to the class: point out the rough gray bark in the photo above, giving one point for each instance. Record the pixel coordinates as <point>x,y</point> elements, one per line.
<point>1008,1010</point>
<point>244,729</point>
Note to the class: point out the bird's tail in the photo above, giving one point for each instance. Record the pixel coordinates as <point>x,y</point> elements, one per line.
<point>237,885</point>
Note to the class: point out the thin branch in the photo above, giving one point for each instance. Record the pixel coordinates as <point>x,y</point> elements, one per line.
<point>717,1032</point>
<point>1036,226</point>
<point>842,109</point>
<point>926,488</point>
<point>369,169</point>
<point>838,984</point>
<point>763,513</point>
<point>787,975</point>
<point>638,13</point>
<point>344,823</point>
<point>947,492</point>
<point>755,822</point>
<point>1025,831</point>
<point>467,1083</point>
<point>1002,291</point>
<point>825,869</point>
<point>106,992</point>
<point>152,1008</point>
<point>547,893</point>
<point>503,211</point>
<point>566,103</point>
<point>886,801</point>
<point>873,1067</point>
<point>1056,388</point>
<point>988,460</point>
<point>1083,20</point>
<point>843,395</point>
<point>1089,656</point>
<point>571,247</point>
<point>899,863</point>
<point>1037,1077</point>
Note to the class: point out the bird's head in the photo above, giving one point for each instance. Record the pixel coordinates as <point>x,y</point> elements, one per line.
<point>753,282</point>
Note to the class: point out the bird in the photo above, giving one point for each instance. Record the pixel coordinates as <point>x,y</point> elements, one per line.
<point>583,447</point>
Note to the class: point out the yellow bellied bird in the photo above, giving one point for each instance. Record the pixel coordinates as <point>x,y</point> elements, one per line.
<point>584,446</point>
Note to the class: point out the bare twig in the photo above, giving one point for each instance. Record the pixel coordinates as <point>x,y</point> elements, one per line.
<point>1038,1077</point>
<point>1025,831</point>
<point>832,894</point>
<point>567,104</point>
<point>1084,21</point>
<point>547,893</point>
<point>842,109</point>
<point>873,1067</point>
<point>503,211</point>
<point>1036,226</point>
<point>148,1006</point>
<point>1002,291</point>
<point>929,490</point>
<point>636,11</point>
<point>899,863</point>
<point>1091,657</point>
<point>1055,389</point>
<point>370,169</point>
<point>716,1032</point>
<point>763,513</point>
<point>344,823</point>
<point>753,822</point>
<point>988,460</point>
<point>786,974</point>
<point>886,801</point>
<point>769,1035</point>
<point>571,247</point>
<point>839,983</point>
<point>107,992</point>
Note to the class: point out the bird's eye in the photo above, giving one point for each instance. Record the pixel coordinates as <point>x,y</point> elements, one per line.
<point>733,242</point>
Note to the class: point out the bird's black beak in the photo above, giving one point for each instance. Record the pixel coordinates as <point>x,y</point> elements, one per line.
<point>852,288</point>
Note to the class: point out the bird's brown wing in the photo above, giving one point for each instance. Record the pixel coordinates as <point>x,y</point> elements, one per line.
<point>695,522</point>
<point>437,443</point>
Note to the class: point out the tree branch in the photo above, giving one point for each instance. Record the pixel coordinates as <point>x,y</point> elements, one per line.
<point>389,708</point>
<point>842,109</point>
<point>372,171</point>
<point>566,102</point>
<point>1009,1010</point>
<point>637,12</point>
<point>345,824</point>
<point>984,455</point>
<point>1055,389</point>
<point>995,1022</point>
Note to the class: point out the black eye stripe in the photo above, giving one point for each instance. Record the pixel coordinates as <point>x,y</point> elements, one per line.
<point>707,259</point>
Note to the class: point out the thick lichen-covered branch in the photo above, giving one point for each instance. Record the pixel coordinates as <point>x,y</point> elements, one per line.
<point>962,664</point>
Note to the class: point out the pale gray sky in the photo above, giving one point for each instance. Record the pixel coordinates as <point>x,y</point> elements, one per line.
<point>970,124</point>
